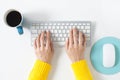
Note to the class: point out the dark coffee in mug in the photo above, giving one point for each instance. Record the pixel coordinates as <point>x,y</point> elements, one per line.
<point>13,18</point>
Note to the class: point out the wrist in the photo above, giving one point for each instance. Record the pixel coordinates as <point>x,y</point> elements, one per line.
<point>45,61</point>
<point>76,60</point>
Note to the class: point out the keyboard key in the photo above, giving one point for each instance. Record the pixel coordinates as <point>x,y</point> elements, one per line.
<point>88,31</point>
<point>78,27</point>
<point>65,35</point>
<point>37,27</point>
<point>88,24</point>
<point>87,27</point>
<point>33,27</point>
<point>39,31</point>
<point>41,27</point>
<point>82,27</point>
<point>53,35</point>
<point>58,27</point>
<point>51,31</point>
<point>87,35</point>
<point>80,24</point>
<point>55,31</point>
<point>59,31</point>
<point>46,24</point>
<point>70,27</point>
<point>45,27</point>
<point>63,24</point>
<point>54,39</point>
<point>54,24</point>
<point>50,24</point>
<point>75,24</point>
<point>71,24</point>
<point>67,31</point>
<point>67,24</point>
<point>61,27</point>
<point>34,31</point>
<point>34,35</point>
<point>84,24</point>
<point>63,31</point>
<point>58,24</point>
<point>58,39</point>
<point>62,39</point>
<point>65,27</point>
<point>49,27</point>
<point>53,27</point>
<point>60,35</point>
<point>56,35</point>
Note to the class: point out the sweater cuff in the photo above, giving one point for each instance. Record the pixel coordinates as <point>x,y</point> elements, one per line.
<point>81,70</point>
<point>40,70</point>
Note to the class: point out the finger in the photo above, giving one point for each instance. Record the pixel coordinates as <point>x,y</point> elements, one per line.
<point>38,41</point>
<point>35,45</point>
<point>42,39</point>
<point>71,37</point>
<point>48,39</point>
<point>80,38</point>
<point>84,40</point>
<point>51,45</point>
<point>75,36</point>
<point>67,44</point>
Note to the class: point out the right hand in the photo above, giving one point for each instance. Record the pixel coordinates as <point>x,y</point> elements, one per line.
<point>75,45</point>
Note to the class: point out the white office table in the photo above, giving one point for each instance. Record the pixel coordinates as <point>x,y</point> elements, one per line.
<point>16,53</point>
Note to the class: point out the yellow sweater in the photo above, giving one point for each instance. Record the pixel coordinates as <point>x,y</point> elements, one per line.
<point>41,69</point>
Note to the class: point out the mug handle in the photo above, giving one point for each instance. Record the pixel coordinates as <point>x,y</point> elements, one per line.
<point>20,30</point>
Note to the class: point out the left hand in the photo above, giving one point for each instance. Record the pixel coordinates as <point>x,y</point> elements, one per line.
<point>43,47</point>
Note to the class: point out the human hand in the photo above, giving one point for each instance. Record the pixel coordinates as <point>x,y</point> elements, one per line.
<point>75,45</point>
<point>43,47</point>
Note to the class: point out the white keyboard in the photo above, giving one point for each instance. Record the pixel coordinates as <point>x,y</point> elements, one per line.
<point>60,30</point>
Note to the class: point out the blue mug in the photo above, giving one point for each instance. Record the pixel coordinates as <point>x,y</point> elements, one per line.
<point>13,18</point>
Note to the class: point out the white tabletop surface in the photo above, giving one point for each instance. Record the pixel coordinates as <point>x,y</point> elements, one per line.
<point>16,53</point>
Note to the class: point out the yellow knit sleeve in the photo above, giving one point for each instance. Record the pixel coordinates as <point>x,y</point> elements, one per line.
<point>40,71</point>
<point>81,70</point>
